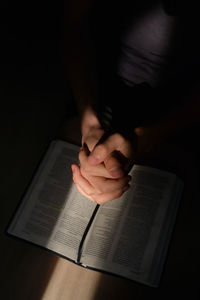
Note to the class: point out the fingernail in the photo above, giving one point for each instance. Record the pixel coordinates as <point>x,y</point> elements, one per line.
<point>94,159</point>
<point>117,171</point>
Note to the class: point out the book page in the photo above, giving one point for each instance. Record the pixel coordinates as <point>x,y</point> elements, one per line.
<point>124,236</point>
<point>53,214</point>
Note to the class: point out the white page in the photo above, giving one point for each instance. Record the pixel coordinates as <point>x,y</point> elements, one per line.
<point>53,214</point>
<point>123,240</point>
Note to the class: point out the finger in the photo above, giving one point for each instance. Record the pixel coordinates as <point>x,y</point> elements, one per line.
<point>112,143</point>
<point>103,198</point>
<point>104,185</point>
<point>89,192</point>
<point>83,193</point>
<point>116,164</point>
<point>81,182</point>
<point>92,138</point>
<point>90,141</point>
<point>88,170</point>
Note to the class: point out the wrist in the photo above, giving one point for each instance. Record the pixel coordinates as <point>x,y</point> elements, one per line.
<point>89,120</point>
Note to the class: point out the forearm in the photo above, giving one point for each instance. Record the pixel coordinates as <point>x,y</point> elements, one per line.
<point>81,66</point>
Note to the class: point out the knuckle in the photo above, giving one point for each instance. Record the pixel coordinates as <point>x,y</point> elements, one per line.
<point>102,187</point>
<point>84,172</point>
<point>95,198</point>
<point>118,194</point>
<point>102,150</point>
<point>100,201</point>
<point>83,169</point>
<point>86,169</point>
<point>111,161</point>
<point>121,139</point>
<point>108,197</point>
<point>90,194</point>
<point>99,189</point>
<point>97,184</point>
<point>116,184</point>
<point>102,190</point>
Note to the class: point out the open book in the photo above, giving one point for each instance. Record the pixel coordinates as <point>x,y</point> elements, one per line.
<point>128,236</point>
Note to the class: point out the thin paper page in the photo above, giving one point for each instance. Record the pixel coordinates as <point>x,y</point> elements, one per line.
<point>124,239</point>
<point>53,214</point>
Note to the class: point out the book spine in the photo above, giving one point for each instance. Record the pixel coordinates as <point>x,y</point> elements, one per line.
<point>85,233</point>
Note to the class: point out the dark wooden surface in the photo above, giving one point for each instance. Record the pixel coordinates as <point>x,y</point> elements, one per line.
<point>28,272</point>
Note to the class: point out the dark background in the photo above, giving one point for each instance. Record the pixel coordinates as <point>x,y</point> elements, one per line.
<point>30,48</point>
<point>34,96</point>
<point>34,101</point>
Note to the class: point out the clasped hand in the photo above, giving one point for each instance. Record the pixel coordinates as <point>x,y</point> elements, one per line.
<point>104,161</point>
